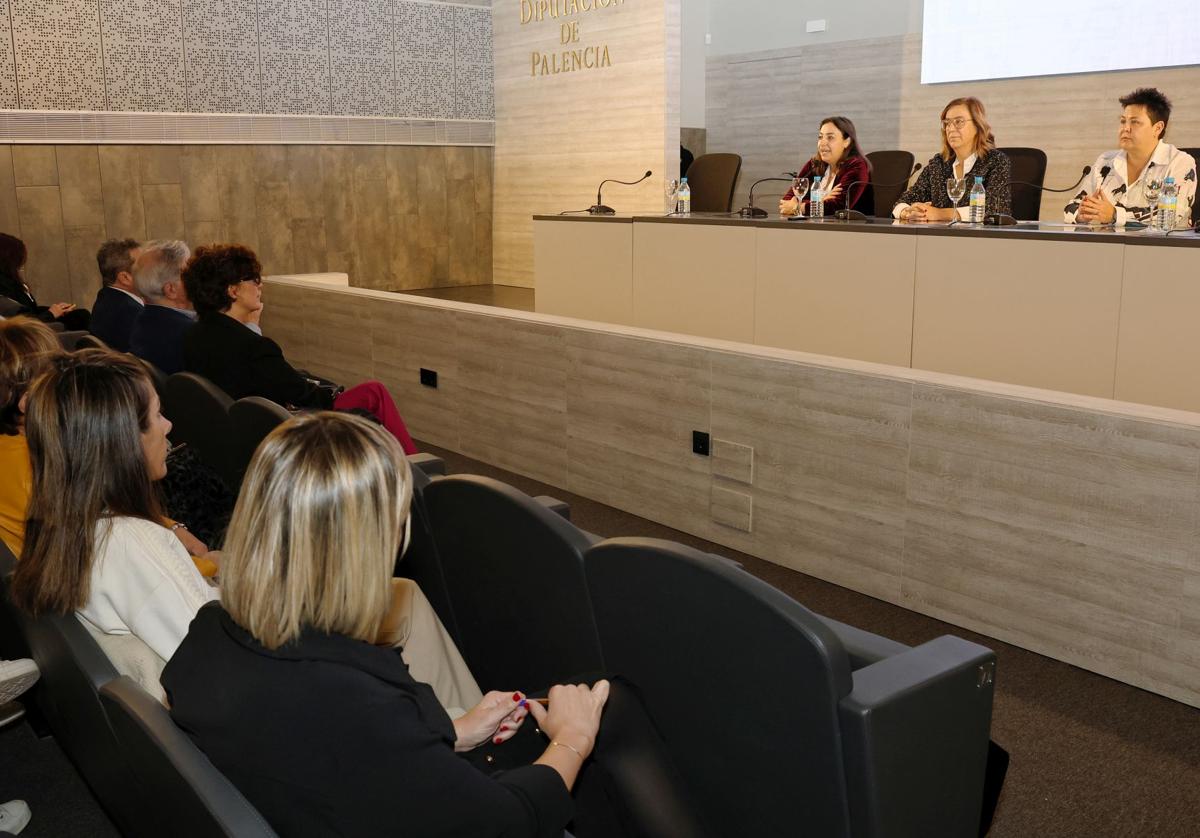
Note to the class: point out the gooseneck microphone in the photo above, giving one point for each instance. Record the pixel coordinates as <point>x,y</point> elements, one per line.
<point>848,214</point>
<point>751,211</point>
<point>999,219</point>
<point>598,208</point>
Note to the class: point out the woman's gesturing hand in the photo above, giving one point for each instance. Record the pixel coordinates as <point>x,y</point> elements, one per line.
<point>497,717</point>
<point>573,717</point>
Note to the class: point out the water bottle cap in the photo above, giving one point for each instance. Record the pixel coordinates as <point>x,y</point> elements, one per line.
<point>979,179</point>
<point>683,180</point>
<point>1170,180</point>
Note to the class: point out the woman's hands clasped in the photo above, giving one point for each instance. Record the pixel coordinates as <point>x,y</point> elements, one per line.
<point>573,717</point>
<point>497,717</point>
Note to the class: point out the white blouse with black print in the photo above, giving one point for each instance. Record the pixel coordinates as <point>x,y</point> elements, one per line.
<point>1110,174</point>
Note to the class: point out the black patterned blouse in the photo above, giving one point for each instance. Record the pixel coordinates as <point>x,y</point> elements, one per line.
<point>995,169</point>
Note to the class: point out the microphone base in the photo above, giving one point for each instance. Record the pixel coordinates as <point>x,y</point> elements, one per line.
<point>752,212</point>
<point>849,215</point>
<point>600,209</point>
<point>1000,221</point>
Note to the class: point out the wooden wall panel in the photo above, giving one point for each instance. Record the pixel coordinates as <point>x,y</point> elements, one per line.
<point>1063,524</point>
<point>393,217</point>
<point>766,106</point>
<point>558,136</point>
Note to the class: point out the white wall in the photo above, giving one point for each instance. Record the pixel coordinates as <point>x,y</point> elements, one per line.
<point>693,55</point>
<point>753,25</point>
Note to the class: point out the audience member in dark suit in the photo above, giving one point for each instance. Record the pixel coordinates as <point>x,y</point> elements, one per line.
<point>117,303</point>
<point>226,346</point>
<point>12,285</point>
<point>326,733</point>
<point>158,333</point>
<point>968,151</point>
<point>839,166</point>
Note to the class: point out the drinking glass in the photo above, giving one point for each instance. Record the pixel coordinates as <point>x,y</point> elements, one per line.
<point>799,190</point>
<point>955,189</point>
<point>1153,188</point>
<point>672,190</point>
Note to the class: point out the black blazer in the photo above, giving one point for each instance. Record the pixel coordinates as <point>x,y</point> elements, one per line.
<point>332,736</point>
<point>243,363</point>
<point>158,337</point>
<point>113,315</point>
<point>19,293</point>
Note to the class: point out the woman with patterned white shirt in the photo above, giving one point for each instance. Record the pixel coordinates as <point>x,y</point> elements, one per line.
<point>1116,190</point>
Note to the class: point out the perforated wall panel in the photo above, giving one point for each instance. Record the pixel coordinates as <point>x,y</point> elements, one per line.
<point>407,59</point>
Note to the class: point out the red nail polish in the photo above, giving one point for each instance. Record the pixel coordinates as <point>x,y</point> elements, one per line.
<point>497,741</point>
<point>516,696</point>
<point>503,728</point>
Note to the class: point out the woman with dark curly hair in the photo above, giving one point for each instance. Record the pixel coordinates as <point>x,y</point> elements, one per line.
<point>12,285</point>
<point>224,283</point>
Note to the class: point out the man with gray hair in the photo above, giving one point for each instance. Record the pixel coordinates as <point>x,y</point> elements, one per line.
<point>117,305</point>
<point>158,333</point>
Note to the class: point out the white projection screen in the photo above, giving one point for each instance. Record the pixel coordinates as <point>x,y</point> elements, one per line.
<point>996,39</point>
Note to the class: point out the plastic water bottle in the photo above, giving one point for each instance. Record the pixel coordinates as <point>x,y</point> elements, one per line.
<point>816,200</point>
<point>978,202</point>
<point>1168,200</point>
<point>683,198</point>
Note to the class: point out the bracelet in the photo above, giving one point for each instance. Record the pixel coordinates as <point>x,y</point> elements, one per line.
<point>568,747</point>
<point>178,525</point>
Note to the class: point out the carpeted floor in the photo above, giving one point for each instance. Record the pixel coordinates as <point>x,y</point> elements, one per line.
<point>1090,756</point>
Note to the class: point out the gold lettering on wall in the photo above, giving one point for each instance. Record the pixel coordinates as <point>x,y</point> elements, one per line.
<point>568,60</point>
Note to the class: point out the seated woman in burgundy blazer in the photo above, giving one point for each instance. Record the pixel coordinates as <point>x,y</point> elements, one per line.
<point>839,166</point>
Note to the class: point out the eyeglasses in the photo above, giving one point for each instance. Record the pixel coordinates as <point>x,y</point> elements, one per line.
<point>957,122</point>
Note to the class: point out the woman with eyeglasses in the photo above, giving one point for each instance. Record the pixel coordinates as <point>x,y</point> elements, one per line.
<point>968,152</point>
<point>226,346</point>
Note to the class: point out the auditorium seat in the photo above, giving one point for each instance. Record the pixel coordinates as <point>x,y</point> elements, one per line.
<point>73,668</point>
<point>513,571</point>
<point>1028,166</point>
<point>9,307</point>
<point>783,722</point>
<point>90,341</point>
<point>889,173</point>
<point>199,414</point>
<point>252,418</point>
<point>185,795</point>
<point>156,375</point>
<point>712,179</point>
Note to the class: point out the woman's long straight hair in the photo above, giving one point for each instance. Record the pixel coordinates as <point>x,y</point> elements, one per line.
<point>84,421</point>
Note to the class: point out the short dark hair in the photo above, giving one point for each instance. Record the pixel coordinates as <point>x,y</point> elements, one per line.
<point>114,257</point>
<point>212,270</point>
<point>1156,104</point>
<point>12,258</point>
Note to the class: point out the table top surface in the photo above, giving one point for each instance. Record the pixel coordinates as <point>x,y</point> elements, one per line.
<point>1037,230</point>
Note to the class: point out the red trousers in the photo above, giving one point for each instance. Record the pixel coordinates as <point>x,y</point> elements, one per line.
<point>373,396</point>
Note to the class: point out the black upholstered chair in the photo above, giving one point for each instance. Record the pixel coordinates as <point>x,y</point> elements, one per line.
<point>9,307</point>
<point>1028,166</point>
<point>199,413</point>
<point>513,571</point>
<point>712,179</point>
<point>90,341</point>
<point>73,668</point>
<point>889,170</point>
<point>186,795</point>
<point>157,376</point>
<point>252,417</point>
<point>70,340</point>
<point>781,721</point>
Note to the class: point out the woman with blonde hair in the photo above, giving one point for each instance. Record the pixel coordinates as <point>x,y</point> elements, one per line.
<point>322,512</point>
<point>968,153</point>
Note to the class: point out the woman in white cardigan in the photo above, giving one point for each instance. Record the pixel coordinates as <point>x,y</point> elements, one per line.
<point>95,544</point>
